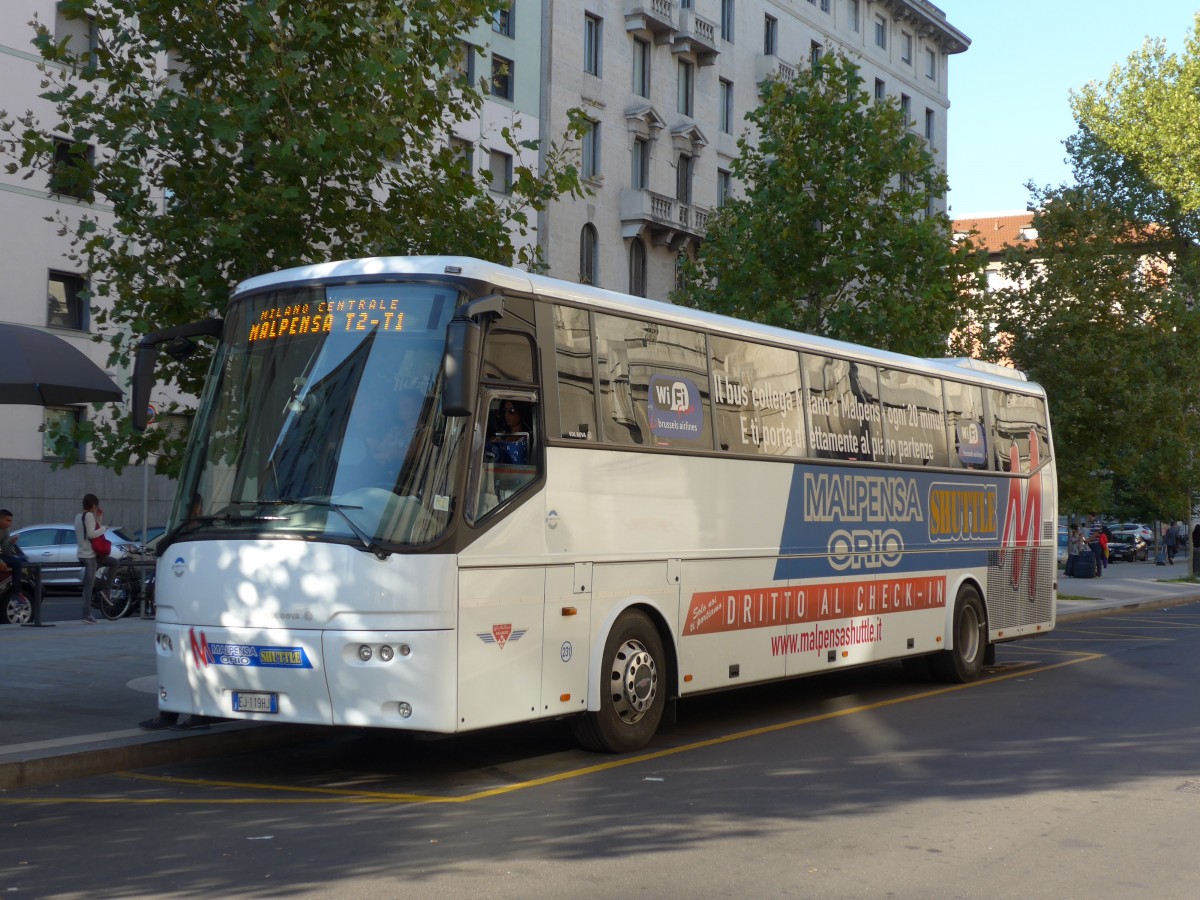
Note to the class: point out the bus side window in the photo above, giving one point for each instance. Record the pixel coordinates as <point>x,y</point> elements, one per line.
<point>510,454</point>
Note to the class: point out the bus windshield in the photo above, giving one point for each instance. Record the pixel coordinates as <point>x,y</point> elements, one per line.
<point>322,415</point>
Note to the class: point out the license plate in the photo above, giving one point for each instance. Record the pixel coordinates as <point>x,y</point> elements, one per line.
<point>255,701</point>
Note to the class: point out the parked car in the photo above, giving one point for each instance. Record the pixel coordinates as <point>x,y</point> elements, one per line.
<point>1146,532</point>
<point>152,531</point>
<point>1129,546</point>
<point>55,543</point>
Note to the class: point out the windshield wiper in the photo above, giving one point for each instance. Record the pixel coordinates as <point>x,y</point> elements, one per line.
<point>338,508</point>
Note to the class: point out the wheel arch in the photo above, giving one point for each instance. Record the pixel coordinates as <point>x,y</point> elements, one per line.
<point>966,580</point>
<point>659,619</point>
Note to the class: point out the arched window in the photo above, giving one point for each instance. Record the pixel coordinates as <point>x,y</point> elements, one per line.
<point>589,250</point>
<point>637,268</point>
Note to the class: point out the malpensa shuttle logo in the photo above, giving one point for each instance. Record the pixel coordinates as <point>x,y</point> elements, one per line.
<point>1022,518</point>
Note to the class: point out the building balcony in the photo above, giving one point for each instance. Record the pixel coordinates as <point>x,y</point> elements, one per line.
<point>655,16</point>
<point>696,35</point>
<point>771,66</point>
<point>664,219</point>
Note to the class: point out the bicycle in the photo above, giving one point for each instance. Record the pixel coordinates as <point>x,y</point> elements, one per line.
<point>130,585</point>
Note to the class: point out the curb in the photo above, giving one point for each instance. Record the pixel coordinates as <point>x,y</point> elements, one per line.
<point>1131,606</point>
<point>148,750</point>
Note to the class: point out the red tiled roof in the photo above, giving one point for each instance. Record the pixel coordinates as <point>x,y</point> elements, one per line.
<point>997,231</point>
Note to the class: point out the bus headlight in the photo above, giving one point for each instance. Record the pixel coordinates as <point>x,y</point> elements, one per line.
<point>364,652</point>
<point>386,653</point>
<point>405,709</point>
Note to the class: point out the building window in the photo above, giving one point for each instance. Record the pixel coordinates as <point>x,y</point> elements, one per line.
<point>854,15</point>
<point>589,249</point>
<point>503,20</point>
<point>931,65</point>
<point>591,151</point>
<point>500,171</point>
<point>725,110</point>
<point>727,20</point>
<point>65,419</point>
<point>463,152</point>
<point>881,32</point>
<point>70,170</point>
<point>906,109</point>
<point>686,88</point>
<point>641,67</point>
<point>930,126</point>
<point>466,63</point>
<point>814,54</point>
<point>880,90</point>
<point>724,187</point>
<point>592,33</point>
<point>770,35</point>
<point>637,268</point>
<point>66,301</point>
<point>683,178</point>
<point>639,176</point>
<point>906,48</point>
<point>79,33</point>
<point>825,6</point>
<point>502,77</point>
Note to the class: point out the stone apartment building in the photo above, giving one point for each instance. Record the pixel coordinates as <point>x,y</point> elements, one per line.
<point>665,84</point>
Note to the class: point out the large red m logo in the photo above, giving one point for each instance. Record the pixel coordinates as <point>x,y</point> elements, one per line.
<point>201,654</point>
<point>1023,517</point>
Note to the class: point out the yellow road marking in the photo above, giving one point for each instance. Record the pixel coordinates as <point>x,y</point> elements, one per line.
<point>351,796</point>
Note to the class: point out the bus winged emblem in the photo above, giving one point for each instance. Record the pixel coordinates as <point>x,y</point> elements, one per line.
<point>501,634</point>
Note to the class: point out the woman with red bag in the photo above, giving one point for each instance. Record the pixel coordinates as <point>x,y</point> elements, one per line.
<point>93,549</point>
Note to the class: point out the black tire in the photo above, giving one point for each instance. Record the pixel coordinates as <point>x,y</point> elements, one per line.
<point>18,608</point>
<point>113,598</point>
<point>635,693</point>
<point>964,661</point>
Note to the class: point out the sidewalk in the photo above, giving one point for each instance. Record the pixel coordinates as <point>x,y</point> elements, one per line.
<point>74,693</point>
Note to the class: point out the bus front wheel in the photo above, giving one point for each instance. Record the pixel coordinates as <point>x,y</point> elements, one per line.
<point>633,692</point>
<point>964,661</point>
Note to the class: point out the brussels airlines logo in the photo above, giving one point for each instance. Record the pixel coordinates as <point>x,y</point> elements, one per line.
<point>674,408</point>
<point>1022,518</point>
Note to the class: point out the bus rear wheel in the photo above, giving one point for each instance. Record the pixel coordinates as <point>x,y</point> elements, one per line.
<point>633,693</point>
<point>964,661</point>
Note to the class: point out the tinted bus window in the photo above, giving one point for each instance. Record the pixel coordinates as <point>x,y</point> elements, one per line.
<point>508,357</point>
<point>653,384</point>
<point>1017,420</point>
<point>965,425</point>
<point>914,426</point>
<point>843,409</point>
<point>576,381</point>
<point>757,398</point>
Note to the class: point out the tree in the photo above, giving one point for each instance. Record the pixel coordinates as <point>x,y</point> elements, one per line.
<point>835,235</point>
<point>236,137</point>
<point>1103,312</point>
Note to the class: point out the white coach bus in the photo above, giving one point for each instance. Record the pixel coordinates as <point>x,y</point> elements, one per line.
<point>442,495</point>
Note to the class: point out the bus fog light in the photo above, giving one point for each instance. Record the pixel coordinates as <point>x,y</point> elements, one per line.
<point>364,652</point>
<point>405,709</point>
<point>405,650</point>
<point>386,653</point>
<point>162,692</point>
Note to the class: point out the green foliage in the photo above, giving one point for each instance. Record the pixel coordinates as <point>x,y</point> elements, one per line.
<point>235,138</point>
<point>1103,311</point>
<point>832,237</point>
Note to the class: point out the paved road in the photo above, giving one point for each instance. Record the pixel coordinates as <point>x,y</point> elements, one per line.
<point>1071,770</point>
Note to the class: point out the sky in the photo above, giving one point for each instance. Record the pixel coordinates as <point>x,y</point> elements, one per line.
<point>1010,90</point>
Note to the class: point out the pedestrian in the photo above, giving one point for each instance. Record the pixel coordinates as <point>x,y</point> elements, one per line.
<point>10,553</point>
<point>1102,539</point>
<point>1097,551</point>
<point>93,549</point>
<point>1074,542</point>
<point>1169,540</point>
